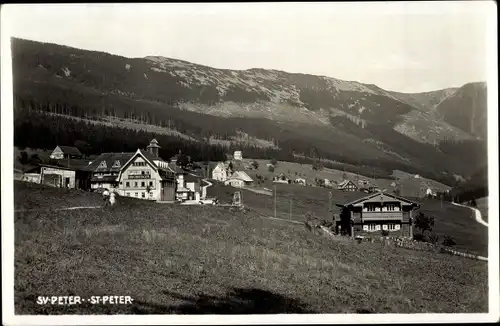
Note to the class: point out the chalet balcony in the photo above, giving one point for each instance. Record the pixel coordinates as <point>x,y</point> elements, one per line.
<point>381,216</point>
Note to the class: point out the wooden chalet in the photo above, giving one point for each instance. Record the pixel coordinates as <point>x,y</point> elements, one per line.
<point>375,213</point>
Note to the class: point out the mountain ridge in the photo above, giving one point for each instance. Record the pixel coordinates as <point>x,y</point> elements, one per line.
<point>359,123</point>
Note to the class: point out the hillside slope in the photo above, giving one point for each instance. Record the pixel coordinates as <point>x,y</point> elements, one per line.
<point>344,121</point>
<point>208,260</point>
<point>467,109</point>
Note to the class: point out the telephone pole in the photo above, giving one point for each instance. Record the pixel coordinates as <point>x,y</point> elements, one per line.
<point>274,201</point>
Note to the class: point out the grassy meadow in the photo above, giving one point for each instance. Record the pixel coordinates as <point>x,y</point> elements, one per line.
<point>454,221</point>
<point>208,260</point>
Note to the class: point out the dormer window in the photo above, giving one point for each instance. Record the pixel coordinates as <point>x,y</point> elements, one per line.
<point>103,165</point>
<point>117,164</point>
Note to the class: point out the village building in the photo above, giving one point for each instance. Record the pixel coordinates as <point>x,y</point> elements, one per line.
<point>282,178</point>
<point>62,152</point>
<point>430,193</point>
<point>238,156</point>
<point>375,213</point>
<point>347,185</point>
<point>239,179</point>
<point>300,181</point>
<point>142,174</point>
<point>220,172</point>
<point>72,174</point>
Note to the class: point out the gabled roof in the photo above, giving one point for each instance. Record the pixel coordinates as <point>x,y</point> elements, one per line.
<point>110,160</point>
<point>378,194</point>
<point>70,150</point>
<point>344,184</point>
<point>241,175</point>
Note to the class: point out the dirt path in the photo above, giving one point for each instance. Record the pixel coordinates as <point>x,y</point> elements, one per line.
<point>57,209</point>
<point>477,214</point>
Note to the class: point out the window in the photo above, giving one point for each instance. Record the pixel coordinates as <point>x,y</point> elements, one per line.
<point>137,194</point>
<point>384,227</point>
<point>136,184</point>
<point>371,227</point>
<point>127,194</point>
<point>393,227</point>
<point>127,184</point>
<point>117,164</point>
<point>102,165</point>
<point>370,208</point>
<point>143,195</point>
<point>142,184</point>
<point>392,207</point>
<point>150,183</point>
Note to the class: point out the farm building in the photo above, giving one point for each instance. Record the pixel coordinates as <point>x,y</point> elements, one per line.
<point>238,156</point>
<point>142,174</point>
<point>300,181</point>
<point>347,185</point>
<point>220,172</point>
<point>189,187</point>
<point>72,174</point>
<point>376,213</point>
<point>238,179</point>
<point>62,152</point>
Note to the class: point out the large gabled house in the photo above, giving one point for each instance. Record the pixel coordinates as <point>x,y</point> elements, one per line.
<point>142,174</point>
<point>376,213</point>
<point>239,179</point>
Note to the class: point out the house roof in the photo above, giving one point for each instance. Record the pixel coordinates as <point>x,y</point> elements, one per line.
<point>70,150</point>
<point>110,159</point>
<point>378,194</point>
<point>241,175</point>
<point>103,179</point>
<point>344,183</point>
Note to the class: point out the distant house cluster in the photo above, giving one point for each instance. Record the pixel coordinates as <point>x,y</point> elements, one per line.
<point>141,174</point>
<point>231,172</point>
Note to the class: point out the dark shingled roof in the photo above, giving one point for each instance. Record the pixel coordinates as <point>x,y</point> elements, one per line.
<point>110,159</point>
<point>70,150</point>
<point>103,179</point>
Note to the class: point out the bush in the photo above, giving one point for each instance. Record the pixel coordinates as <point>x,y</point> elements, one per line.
<point>433,238</point>
<point>419,237</point>
<point>449,241</point>
<point>274,162</point>
<point>254,165</point>
<point>270,168</point>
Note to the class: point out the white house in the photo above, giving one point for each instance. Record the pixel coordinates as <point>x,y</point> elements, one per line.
<point>238,179</point>
<point>238,156</point>
<point>220,172</point>
<point>300,181</point>
<point>430,192</point>
<point>141,174</point>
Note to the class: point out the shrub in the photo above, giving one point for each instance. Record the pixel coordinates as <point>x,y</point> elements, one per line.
<point>254,165</point>
<point>270,168</point>
<point>274,162</point>
<point>419,237</point>
<point>423,222</point>
<point>433,238</point>
<point>449,241</point>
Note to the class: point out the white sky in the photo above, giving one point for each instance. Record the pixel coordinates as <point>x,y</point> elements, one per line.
<point>407,47</point>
